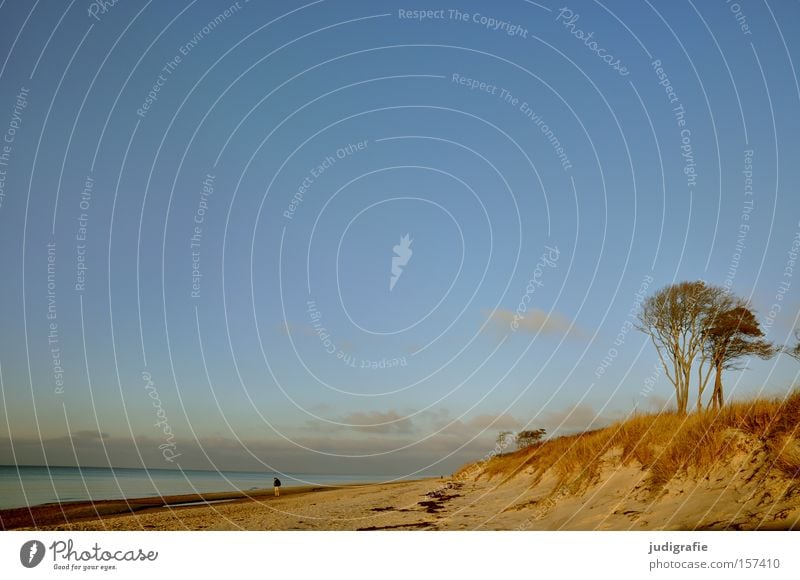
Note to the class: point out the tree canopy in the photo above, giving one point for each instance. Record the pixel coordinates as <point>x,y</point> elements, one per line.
<point>528,438</point>
<point>697,323</point>
<point>677,318</point>
<point>733,335</point>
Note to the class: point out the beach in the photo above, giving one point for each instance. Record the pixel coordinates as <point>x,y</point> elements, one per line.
<point>618,501</point>
<point>347,507</point>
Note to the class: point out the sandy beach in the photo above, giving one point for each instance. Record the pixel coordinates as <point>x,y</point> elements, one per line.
<point>349,507</point>
<point>618,501</point>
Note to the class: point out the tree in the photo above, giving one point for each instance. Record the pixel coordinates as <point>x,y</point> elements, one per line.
<point>794,351</point>
<point>504,438</point>
<point>720,302</point>
<point>677,318</point>
<point>734,334</point>
<point>528,438</point>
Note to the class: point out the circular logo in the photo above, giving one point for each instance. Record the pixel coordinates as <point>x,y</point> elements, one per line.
<point>31,553</point>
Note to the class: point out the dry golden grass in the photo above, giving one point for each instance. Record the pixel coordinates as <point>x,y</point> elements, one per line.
<point>666,445</point>
<point>787,452</point>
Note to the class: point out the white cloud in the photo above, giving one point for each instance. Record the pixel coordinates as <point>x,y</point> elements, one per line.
<point>534,321</point>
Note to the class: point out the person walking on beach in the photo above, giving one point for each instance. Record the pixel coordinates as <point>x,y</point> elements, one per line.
<point>277,483</point>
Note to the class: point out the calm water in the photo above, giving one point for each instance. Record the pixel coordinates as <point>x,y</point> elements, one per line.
<point>28,485</point>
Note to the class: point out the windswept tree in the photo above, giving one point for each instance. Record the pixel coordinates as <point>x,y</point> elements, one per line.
<point>721,304</point>
<point>504,439</point>
<point>794,350</point>
<point>733,335</point>
<point>678,318</point>
<point>530,437</point>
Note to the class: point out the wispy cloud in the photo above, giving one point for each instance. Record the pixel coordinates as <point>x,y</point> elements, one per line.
<point>431,440</point>
<point>409,424</point>
<point>379,422</point>
<point>347,452</point>
<point>533,321</point>
<point>295,329</point>
<point>89,434</point>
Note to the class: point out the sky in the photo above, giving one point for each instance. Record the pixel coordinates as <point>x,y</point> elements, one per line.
<point>364,237</point>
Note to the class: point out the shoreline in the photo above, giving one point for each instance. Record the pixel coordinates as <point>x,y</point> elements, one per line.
<point>739,496</point>
<point>87,511</point>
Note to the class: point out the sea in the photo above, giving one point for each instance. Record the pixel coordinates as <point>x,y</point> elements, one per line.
<point>22,486</point>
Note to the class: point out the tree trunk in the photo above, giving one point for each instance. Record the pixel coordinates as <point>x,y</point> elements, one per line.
<point>716,395</point>
<point>682,398</point>
<point>683,404</point>
<point>701,385</point>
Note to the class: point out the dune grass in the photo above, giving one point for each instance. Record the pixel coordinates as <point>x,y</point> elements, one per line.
<point>666,444</point>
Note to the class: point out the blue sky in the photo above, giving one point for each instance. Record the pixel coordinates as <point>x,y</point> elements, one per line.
<point>325,132</point>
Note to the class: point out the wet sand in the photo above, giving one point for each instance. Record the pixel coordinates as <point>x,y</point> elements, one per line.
<point>53,515</point>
